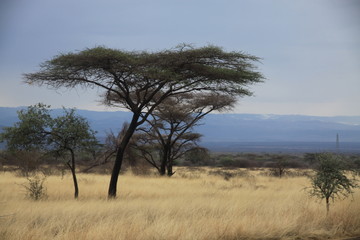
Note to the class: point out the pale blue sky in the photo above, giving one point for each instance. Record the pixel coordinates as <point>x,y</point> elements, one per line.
<point>310,48</point>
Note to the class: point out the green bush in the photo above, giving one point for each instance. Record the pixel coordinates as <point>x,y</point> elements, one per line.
<point>331,180</point>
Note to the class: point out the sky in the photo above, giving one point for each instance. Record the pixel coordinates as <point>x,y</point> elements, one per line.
<point>310,49</point>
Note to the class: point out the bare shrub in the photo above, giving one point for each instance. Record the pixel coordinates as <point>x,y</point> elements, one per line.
<point>35,188</point>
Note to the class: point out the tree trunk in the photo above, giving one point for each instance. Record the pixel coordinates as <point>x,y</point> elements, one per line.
<point>280,172</point>
<point>169,163</point>
<point>170,169</point>
<point>72,168</point>
<point>162,169</point>
<point>327,206</point>
<point>163,163</point>
<point>120,155</point>
<point>76,187</point>
<point>164,160</point>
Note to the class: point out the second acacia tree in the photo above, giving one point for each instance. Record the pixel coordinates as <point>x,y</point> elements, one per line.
<point>169,134</point>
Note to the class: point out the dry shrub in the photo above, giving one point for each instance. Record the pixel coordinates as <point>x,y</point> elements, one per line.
<point>35,188</point>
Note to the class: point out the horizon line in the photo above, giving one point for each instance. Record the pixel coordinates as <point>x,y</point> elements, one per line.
<point>109,110</point>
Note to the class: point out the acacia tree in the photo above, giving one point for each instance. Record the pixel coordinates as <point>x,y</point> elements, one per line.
<point>280,166</point>
<point>331,180</point>
<point>161,150</point>
<point>171,124</point>
<point>64,135</point>
<point>140,81</point>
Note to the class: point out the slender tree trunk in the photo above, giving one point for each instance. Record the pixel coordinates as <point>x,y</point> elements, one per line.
<point>163,164</point>
<point>327,206</point>
<point>73,168</point>
<point>120,155</point>
<point>169,164</point>
<point>76,187</point>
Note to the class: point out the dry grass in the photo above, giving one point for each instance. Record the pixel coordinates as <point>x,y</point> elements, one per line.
<point>190,205</point>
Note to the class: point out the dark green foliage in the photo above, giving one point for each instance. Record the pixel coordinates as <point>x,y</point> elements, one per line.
<point>70,131</point>
<point>38,131</point>
<point>29,133</point>
<point>331,180</point>
<point>183,68</point>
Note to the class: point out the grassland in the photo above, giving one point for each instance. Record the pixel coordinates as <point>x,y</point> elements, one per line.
<point>190,205</point>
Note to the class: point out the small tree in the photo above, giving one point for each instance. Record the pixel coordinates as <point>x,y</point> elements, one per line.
<point>38,131</point>
<point>279,167</point>
<point>330,180</point>
<point>69,134</point>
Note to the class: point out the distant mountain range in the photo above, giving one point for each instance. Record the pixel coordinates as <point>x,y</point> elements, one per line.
<point>250,132</point>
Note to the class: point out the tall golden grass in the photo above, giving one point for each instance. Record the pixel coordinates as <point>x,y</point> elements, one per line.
<point>190,205</point>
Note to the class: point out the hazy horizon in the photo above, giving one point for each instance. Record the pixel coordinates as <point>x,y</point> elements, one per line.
<point>227,112</point>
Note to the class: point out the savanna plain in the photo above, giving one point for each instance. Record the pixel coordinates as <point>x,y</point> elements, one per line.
<point>196,203</point>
